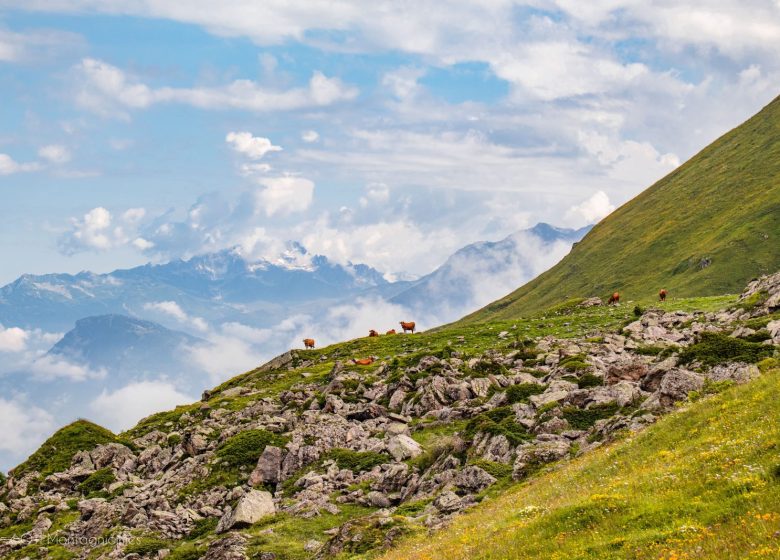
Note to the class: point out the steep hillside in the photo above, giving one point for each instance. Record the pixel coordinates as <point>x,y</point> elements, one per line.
<point>702,483</point>
<point>706,228</point>
<point>315,455</point>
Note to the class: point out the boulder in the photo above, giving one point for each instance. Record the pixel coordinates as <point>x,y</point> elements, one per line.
<point>251,508</point>
<point>268,467</point>
<point>403,447</point>
<point>473,479</point>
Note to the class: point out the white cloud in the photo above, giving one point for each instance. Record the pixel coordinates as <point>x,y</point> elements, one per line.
<point>56,367</point>
<point>107,90</point>
<point>55,153</point>
<point>310,136</point>
<point>121,409</point>
<point>174,310</point>
<point>13,339</point>
<point>24,426</point>
<point>378,193</point>
<point>253,147</point>
<point>284,195</point>
<point>591,210</point>
<point>8,166</point>
<point>37,44</point>
<point>402,83</point>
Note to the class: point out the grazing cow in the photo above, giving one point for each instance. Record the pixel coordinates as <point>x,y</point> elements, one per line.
<point>614,298</point>
<point>308,343</point>
<point>364,361</point>
<point>408,326</point>
<point>372,332</point>
<point>391,331</point>
<point>662,295</point>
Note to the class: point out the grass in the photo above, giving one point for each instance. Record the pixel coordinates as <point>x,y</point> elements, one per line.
<point>97,481</point>
<point>707,228</point>
<point>703,482</point>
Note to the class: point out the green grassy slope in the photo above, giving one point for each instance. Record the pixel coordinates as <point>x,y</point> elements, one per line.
<point>702,483</point>
<point>722,205</point>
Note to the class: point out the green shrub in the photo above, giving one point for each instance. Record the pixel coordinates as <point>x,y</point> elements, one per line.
<point>483,368</point>
<point>202,527</point>
<point>427,458</point>
<point>3,478</point>
<point>187,552</point>
<point>494,469</point>
<point>584,418</point>
<point>714,348</point>
<point>521,392</point>
<point>245,448</point>
<point>97,481</point>
<point>768,363</point>
<point>499,421</point>
<point>589,380</point>
<point>638,311</point>
<point>174,440</point>
<point>146,546</point>
<point>573,363</point>
<point>758,336</point>
<point>650,350</point>
<point>357,461</point>
<point>410,509</point>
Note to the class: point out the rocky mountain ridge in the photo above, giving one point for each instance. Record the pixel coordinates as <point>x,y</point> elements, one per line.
<point>359,456</point>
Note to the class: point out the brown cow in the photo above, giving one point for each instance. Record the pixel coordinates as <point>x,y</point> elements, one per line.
<point>372,332</point>
<point>408,326</point>
<point>363,361</point>
<point>391,331</point>
<point>308,343</point>
<point>614,298</point>
<point>662,295</point>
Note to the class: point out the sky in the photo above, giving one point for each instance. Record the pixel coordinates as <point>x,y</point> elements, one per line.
<point>389,133</point>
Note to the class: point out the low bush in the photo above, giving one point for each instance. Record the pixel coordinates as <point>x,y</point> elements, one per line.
<point>357,461</point>
<point>494,469</point>
<point>410,509</point>
<point>589,380</point>
<point>521,392</point>
<point>97,481</point>
<point>499,421</point>
<point>245,448</point>
<point>584,418</point>
<point>146,546</point>
<point>714,348</point>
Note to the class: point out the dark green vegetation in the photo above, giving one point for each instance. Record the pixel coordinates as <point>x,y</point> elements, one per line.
<point>713,348</point>
<point>97,481</point>
<point>702,483</point>
<point>56,452</point>
<point>357,461</point>
<point>245,448</point>
<point>706,228</point>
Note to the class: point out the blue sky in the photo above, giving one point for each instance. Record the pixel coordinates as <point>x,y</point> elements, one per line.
<point>356,130</point>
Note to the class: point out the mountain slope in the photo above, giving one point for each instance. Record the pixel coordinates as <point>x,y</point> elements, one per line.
<point>126,344</point>
<point>706,228</point>
<point>480,272</point>
<point>313,455</point>
<point>702,483</point>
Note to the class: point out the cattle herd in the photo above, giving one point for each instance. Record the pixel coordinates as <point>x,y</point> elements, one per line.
<point>405,325</point>
<point>410,326</point>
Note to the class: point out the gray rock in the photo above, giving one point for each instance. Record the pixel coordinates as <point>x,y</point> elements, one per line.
<point>403,447</point>
<point>253,507</point>
<point>268,467</point>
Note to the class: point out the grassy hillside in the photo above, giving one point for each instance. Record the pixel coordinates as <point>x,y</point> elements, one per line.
<point>702,483</point>
<point>706,228</point>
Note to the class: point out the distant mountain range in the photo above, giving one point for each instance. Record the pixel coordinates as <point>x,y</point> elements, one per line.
<point>217,287</point>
